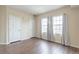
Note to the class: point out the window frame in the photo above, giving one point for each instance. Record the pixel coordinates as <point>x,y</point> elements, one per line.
<point>54,19</point>
<point>41,22</point>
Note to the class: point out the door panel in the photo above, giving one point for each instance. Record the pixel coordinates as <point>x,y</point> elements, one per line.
<point>14,28</point>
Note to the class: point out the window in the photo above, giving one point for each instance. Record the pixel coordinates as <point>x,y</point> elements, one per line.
<point>44,24</point>
<point>57,24</point>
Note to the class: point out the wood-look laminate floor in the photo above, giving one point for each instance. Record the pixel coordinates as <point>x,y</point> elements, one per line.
<point>36,46</point>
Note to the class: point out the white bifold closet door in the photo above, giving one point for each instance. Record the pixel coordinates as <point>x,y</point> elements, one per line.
<point>14,28</point>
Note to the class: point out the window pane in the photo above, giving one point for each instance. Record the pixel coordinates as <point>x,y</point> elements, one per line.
<point>44,24</point>
<point>57,24</point>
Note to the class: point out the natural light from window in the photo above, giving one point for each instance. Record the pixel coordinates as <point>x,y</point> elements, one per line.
<point>44,25</point>
<point>57,24</point>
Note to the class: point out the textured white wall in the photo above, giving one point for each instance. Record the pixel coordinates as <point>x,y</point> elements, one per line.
<point>2,24</point>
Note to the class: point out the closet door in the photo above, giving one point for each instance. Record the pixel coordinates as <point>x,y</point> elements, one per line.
<point>44,28</point>
<point>14,28</point>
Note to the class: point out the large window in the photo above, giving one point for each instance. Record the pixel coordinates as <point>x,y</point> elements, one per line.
<point>57,24</point>
<point>44,24</point>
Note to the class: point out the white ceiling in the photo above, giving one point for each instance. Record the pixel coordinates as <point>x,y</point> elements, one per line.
<point>36,9</point>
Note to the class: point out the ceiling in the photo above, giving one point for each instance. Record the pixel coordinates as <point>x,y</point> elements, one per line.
<point>36,9</point>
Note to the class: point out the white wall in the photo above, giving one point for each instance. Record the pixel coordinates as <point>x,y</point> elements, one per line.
<point>2,24</point>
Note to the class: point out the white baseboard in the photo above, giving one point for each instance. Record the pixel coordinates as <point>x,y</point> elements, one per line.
<point>76,46</point>
<point>22,40</point>
<point>4,43</point>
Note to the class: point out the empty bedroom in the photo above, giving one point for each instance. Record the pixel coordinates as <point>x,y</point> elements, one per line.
<point>39,29</point>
